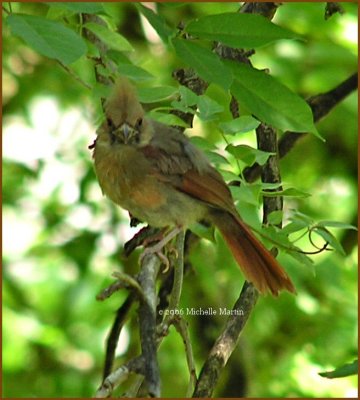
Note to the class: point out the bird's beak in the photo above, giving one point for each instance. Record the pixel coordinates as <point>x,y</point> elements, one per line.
<point>126,131</point>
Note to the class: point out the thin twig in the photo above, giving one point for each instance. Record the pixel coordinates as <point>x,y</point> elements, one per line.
<point>135,365</point>
<point>182,328</point>
<point>124,281</point>
<point>178,278</point>
<point>113,338</point>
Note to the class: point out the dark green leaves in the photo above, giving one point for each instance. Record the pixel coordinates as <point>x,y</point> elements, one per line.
<point>345,370</point>
<point>270,100</point>
<point>248,154</point>
<point>49,38</point>
<point>112,39</point>
<point>134,72</point>
<point>264,96</point>
<point>204,61</point>
<point>238,30</point>
<point>76,7</point>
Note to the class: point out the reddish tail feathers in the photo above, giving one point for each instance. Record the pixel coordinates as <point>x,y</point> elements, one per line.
<point>256,262</point>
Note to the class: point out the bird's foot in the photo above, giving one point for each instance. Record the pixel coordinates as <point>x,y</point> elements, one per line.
<point>158,247</point>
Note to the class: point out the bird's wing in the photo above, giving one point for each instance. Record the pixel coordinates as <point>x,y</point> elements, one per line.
<point>176,161</point>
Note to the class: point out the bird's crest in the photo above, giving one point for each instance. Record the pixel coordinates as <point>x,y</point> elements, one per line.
<point>123,104</point>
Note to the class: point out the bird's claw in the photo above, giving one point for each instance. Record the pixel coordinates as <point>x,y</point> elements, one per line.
<point>156,250</point>
<point>158,247</point>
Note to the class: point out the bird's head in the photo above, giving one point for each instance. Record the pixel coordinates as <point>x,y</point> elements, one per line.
<point>125,118</point>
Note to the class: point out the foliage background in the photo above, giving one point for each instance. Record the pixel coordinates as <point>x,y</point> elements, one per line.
<point>62,240</point>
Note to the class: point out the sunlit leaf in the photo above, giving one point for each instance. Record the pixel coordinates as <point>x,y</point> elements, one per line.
<point>208,108</point>
<point>248,154</point>
<point>242,124</point>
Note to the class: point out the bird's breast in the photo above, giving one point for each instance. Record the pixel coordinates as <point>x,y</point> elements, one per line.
<point>123,175</point>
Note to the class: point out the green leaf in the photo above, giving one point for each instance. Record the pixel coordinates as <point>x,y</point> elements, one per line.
<point>100,91</point>
<point>187,96</point>
<point>246,193</point>
<point>238,30</point>
<point>168,119</point>
<point>113,40</point>
<point>229,176</point>
<point>179,106</point>
<point>248,154</point>
<point>203,231</point>
<point>204,61</point>
<point>208,149</point>
<point>301,218</point>
<point>134,72</point>
<point>242,124</point>
<point>76,7</point>
<point>216,158</point>
<point>303,259</point>
<point>271,101</point>
<point>155,94</point>
<point>208,108</point>
<point>157,22</point>
<point>202,143</point>
<point>270,186</point>
<point>275,217</point>
<point>341,372</point>
<point>186,100</point>
<point>174,5</point>
<point>330,238</point>
<point>294,227</point>
<point>336,224</point>
<point>49,38</point>
<point>289,192</point>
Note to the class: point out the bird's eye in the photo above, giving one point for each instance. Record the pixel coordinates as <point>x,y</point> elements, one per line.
<point>138,123</point>
<point>110,124</point>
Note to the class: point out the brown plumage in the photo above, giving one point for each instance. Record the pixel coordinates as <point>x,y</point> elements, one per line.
<point>155,173</point>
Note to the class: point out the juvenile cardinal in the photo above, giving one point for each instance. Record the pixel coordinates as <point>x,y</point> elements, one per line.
<point>154,172</point>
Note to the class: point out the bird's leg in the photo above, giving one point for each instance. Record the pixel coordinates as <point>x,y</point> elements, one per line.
<point>140,238</point>
<point>156,236</point>
<point>157,248</point>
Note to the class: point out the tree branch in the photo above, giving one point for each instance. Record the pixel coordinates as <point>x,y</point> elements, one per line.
<point>267,141</point>
<point>135,365</point>
<point>147,320</point>
<point>226,342</point>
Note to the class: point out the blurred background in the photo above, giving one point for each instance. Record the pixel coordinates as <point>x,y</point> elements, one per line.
<point>62,239</point>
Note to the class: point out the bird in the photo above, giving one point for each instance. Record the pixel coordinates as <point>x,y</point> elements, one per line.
<point>153,171</point>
